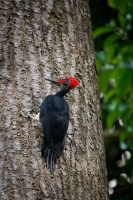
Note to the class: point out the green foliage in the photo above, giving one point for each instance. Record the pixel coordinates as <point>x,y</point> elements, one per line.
<point>114,59</point>
<point>115,65</point>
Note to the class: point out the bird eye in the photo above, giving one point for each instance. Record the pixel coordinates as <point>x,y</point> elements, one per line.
<point>67,82</point>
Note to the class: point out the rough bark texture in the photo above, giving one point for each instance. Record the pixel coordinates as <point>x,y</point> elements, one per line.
<point>47,38</point>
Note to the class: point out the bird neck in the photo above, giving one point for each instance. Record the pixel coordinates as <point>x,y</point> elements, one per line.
<point>63,92</point>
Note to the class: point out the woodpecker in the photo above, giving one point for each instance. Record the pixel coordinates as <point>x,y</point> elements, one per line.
<point>54,118</point>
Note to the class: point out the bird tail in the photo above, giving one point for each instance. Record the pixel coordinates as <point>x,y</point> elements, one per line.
<point>48,156</point>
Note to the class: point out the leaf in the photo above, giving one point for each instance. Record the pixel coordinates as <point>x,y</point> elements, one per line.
<point>104,77</point>
<point>102,30</point>
<point>112,117</point>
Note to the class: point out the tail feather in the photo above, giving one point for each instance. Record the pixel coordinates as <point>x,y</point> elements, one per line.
<point>50,160</point>
<point>50,154</point>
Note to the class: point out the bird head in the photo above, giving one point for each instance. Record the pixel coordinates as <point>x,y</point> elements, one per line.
<point>68,82</point>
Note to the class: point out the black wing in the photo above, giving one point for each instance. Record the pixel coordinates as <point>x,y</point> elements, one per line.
<point>54,117</point>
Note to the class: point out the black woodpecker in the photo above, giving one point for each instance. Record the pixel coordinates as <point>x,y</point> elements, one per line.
<point>54,118</point>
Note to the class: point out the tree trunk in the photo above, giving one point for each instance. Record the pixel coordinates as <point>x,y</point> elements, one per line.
<point>40,39</point>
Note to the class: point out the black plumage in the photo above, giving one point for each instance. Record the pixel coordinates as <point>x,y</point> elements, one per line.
<point>54,118</point>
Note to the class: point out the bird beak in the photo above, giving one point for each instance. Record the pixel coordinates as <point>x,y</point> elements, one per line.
<point>53,81</point>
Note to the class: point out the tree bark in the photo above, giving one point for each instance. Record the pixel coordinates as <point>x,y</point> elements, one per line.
<point>39,39</point>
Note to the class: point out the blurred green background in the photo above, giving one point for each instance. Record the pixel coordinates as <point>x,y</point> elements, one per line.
<point>112,22</point>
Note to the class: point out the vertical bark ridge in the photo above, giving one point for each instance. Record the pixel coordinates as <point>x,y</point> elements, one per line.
<point>8,142</point>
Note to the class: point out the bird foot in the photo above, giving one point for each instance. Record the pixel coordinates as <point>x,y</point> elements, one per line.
<point>35,118</point>
<point>70,140</point>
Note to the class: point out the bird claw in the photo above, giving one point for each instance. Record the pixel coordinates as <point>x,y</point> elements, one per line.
<point>35,118</point>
